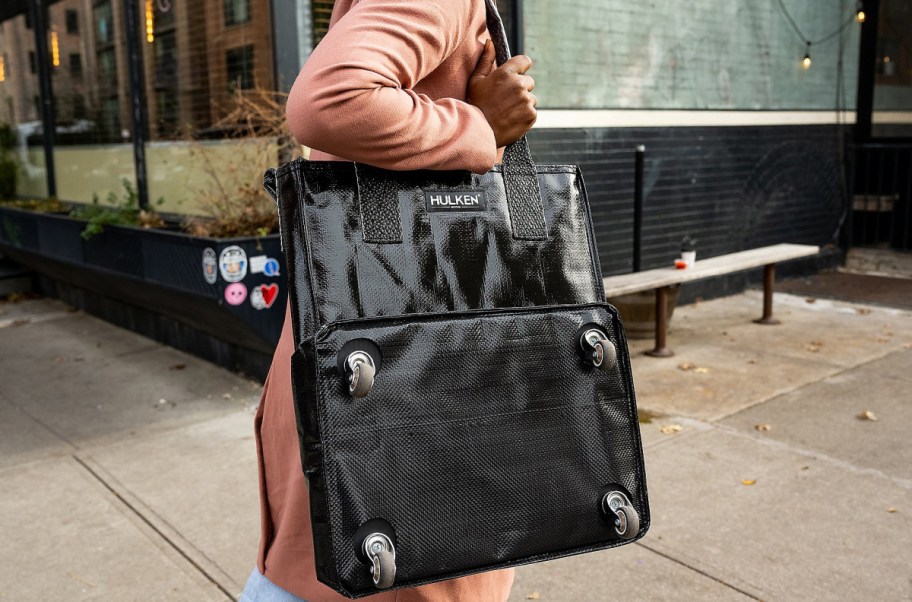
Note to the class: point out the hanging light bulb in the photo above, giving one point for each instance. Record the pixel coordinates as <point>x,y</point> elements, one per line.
<point>55,49</point>
<point>806,62</point>
<point>150,22</point>
<point>2,70</point>
<point>860,13</point>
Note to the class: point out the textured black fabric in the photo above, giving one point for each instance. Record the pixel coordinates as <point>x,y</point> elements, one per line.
<point>379,204</point>
<point>485,442</point>
<point>446,261</point>
<point>488,436</point>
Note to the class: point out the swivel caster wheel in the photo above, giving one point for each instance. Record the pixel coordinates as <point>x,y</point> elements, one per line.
<point>379,550</point>
<point>600,351</point>
<point>361,370</point>
<point>626,520</point>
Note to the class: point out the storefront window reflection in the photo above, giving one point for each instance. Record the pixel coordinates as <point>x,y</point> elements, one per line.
<point>20,104</point>
<point>893,70</point>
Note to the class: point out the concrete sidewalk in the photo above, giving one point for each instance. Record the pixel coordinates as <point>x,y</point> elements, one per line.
<point>128,471</point>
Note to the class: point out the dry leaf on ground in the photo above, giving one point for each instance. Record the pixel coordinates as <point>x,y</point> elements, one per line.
<point>701,370</point>
<point>178,367</point>
<point>810,300</point>
<point>686,366</point>
<point>814,346</point>
<point>863,311</point>
<point>891,509</point>
<point>533,596</point>
<point>867,415</point>
<point>670,429</point>
<point>762,427</point>
<point>748,482</point>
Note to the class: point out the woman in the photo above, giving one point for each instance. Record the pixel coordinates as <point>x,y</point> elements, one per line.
<point>399,84</point>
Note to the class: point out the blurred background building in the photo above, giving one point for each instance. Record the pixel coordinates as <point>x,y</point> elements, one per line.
<point>757,117</point>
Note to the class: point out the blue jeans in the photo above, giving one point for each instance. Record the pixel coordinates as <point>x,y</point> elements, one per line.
<point>261,589</point>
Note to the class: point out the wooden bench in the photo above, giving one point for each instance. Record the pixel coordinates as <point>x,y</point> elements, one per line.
<point>663,278</point>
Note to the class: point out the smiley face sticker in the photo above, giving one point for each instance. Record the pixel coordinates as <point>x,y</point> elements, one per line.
<point>235,293</point>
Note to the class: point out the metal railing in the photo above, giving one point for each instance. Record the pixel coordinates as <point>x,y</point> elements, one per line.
<point>881,202</point>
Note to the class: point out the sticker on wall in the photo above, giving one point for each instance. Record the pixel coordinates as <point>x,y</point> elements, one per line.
<point>233,263</point>
<point>235,294</point>
<point>272,267</point>
<point>264,295</point>
<point>261,264</point>
<point>210,265</point>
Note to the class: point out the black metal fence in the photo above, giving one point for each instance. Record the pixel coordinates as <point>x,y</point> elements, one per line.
<point>881,210</point>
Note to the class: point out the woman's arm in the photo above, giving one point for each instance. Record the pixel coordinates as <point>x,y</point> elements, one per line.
<point>353,98</point>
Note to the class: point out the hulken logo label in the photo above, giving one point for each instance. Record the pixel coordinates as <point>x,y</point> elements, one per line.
<point>455,200</point>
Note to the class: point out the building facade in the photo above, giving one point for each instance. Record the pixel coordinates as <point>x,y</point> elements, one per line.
<point>747,110</point>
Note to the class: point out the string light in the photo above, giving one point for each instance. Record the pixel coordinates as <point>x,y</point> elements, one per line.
<point>55,49</point>
<point>806,61</point>
<point>150,22</point>
<point>2,70</point>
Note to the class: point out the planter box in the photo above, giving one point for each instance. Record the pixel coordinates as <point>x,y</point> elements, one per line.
<point>230,290</point>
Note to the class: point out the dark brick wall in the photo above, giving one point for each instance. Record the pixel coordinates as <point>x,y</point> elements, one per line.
<point>731,188</point>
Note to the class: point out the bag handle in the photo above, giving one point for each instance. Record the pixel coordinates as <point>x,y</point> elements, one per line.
<point>380,212</point>
<point>519,173</point>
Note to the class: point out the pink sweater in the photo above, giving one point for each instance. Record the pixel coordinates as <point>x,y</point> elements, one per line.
<point>385,87</point>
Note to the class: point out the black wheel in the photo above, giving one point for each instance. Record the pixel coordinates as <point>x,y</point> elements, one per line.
<point>626,522</point>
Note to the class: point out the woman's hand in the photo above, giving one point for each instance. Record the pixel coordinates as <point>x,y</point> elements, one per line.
<point>504,95</point>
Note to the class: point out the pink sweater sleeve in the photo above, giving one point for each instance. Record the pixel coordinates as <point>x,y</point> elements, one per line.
<point>354,96</point>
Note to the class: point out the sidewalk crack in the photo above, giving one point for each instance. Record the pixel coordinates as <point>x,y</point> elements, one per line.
<point>154,528</point>
<point>698,570</point>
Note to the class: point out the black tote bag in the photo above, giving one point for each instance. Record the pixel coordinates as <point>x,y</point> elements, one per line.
<point>462,389</point>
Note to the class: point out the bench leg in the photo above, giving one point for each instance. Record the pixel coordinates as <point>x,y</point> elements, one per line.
<point>769,281</point>
<point>661,311</point>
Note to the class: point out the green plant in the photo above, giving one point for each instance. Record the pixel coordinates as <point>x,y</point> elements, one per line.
<point>47,205</point>
<point>9,168</point>
<point>119,211</point>
<point>234,203</point>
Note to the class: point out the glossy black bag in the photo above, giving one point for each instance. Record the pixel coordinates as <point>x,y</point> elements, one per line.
<point>462,389</point>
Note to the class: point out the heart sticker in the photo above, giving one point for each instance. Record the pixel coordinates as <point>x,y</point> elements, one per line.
<point>264,295</point>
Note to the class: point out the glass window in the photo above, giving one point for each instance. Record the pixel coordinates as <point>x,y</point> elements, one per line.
<point>21,105</point>
<point>237,12</point>
<point>92,150</point>
<point>75,64</point>
<point>79,107</point>
<point>893,70</point>
<point>240,68</point>
<point>166,85</point>
<point>107,70</point>
<point>104,23</point>
<point>72,21</point>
